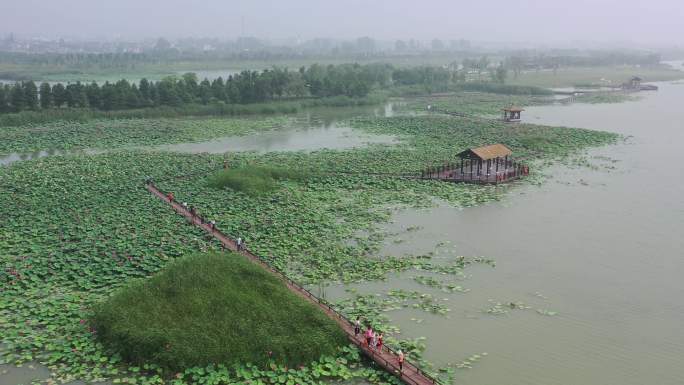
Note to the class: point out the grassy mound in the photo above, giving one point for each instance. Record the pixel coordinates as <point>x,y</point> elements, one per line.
<point>253,180</point>
<point>214,308</point>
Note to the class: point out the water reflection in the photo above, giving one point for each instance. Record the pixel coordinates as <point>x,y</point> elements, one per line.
<point>294,139</point>
<point>16,157</point>
<point>313,128</point>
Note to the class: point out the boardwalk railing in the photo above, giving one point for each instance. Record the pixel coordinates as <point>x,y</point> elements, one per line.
<point>477,172</point>
<point>385,357</point>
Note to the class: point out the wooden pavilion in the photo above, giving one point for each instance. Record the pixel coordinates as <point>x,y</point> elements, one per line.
<point>512,114</point>
<point>488,164</point>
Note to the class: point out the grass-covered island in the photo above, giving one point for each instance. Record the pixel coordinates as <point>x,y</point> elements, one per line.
<point>214,309</point>
<point>253,180</point>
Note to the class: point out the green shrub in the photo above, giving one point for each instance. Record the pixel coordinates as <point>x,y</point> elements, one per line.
<point>214,308</point>
<point>253,180</point>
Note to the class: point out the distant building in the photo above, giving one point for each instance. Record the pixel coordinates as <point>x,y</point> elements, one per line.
<point>512,114</point>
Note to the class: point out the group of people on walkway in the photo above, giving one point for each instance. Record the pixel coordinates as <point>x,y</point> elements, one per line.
<point>373,339</point>
<point>239,243</point>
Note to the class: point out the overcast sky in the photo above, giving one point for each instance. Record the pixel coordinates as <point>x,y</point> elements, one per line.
<point>647,21</point>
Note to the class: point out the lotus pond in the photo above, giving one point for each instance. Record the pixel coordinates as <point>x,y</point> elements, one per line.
<point>77,227</point>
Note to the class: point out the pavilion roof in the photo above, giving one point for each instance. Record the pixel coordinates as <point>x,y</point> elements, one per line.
<point>513,109</point>
<point>492,151</point>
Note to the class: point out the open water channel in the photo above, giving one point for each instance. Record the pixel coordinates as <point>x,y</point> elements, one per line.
<point>601,247</point>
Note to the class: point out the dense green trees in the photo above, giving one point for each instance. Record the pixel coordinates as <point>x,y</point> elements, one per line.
<point>433,78</point>
<point>352,80</point>
<point>317,81</point>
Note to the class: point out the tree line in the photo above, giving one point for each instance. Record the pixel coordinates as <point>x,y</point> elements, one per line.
<point>246,87</point>
<point>351,80</point>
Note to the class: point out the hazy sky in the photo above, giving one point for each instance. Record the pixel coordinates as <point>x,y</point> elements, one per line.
<point>650,21</point>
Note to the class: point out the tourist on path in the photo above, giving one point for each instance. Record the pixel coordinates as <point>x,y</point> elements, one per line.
<point>357,326</point>
<point>185,205</point>
<point>374,340</point>
<point>369,336</point>
<point>170,196</point>
<point>212,224</point>
<point>239,244</point>
<point>401,358</point>
<point>379,343</point>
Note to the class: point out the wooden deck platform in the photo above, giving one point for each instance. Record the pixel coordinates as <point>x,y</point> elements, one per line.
<point>454,174</point>
<point>385,357</point>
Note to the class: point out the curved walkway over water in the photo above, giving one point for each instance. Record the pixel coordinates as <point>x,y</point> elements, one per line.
<point>384,357</point>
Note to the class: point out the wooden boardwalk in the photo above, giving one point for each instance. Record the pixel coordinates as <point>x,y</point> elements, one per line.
<point>384,357</point>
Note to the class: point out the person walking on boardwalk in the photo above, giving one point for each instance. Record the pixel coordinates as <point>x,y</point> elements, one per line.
<point>239,244</point>
<point>170,196</point>
<point>379,341</point>
<point>374,340</point>
<point>357,326</point>
<point>400,358</point>
<point>193,212</point>
<point>369,336</point>
<point>212,224</point>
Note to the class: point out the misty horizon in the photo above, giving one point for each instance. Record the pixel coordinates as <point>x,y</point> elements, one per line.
<point>585,22</point>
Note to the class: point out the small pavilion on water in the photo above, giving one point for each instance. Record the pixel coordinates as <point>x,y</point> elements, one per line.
<point>487,164</point>
<point>512,114</point>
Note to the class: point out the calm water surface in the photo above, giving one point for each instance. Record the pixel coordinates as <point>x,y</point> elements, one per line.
<point>604,248</point>
<point>288,139</point>
<point>312,129</point>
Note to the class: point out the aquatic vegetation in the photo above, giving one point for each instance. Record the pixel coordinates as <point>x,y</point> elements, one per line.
<point>117,133</point>
<point>214,308</point>
<point>503,308</point>
<point>606,97</point>
<point>79,227</point>
<point>436,283</point>
<point>546,312</point>
<point>474,103</point>
<point>569,76</point>
<point>504,89</point>
<point>253,180</point>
